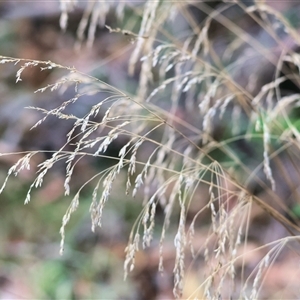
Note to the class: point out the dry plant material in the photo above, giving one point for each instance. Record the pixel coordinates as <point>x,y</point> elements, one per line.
<point>220,130</point>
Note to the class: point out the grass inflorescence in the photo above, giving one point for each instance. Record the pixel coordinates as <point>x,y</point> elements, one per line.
<point>210,135</point>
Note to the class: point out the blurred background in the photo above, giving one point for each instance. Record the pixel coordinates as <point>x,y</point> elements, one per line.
<point>30,264</point>
<point>92,265</point>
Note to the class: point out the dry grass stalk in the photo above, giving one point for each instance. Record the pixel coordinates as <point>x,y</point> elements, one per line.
<point>186,156</point>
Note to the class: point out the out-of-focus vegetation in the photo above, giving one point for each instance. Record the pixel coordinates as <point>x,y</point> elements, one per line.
<point>239,47</point>
<point>30,264</point>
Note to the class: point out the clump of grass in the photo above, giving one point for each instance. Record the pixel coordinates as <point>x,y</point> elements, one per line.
<point>215,132</point>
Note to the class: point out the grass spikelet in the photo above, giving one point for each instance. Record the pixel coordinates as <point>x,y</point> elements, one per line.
<point>131,249</point>
<point>180,243</point>
<point>206,128</point>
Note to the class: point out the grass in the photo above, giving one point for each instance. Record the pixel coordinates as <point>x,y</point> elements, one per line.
<point>212,125</point>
